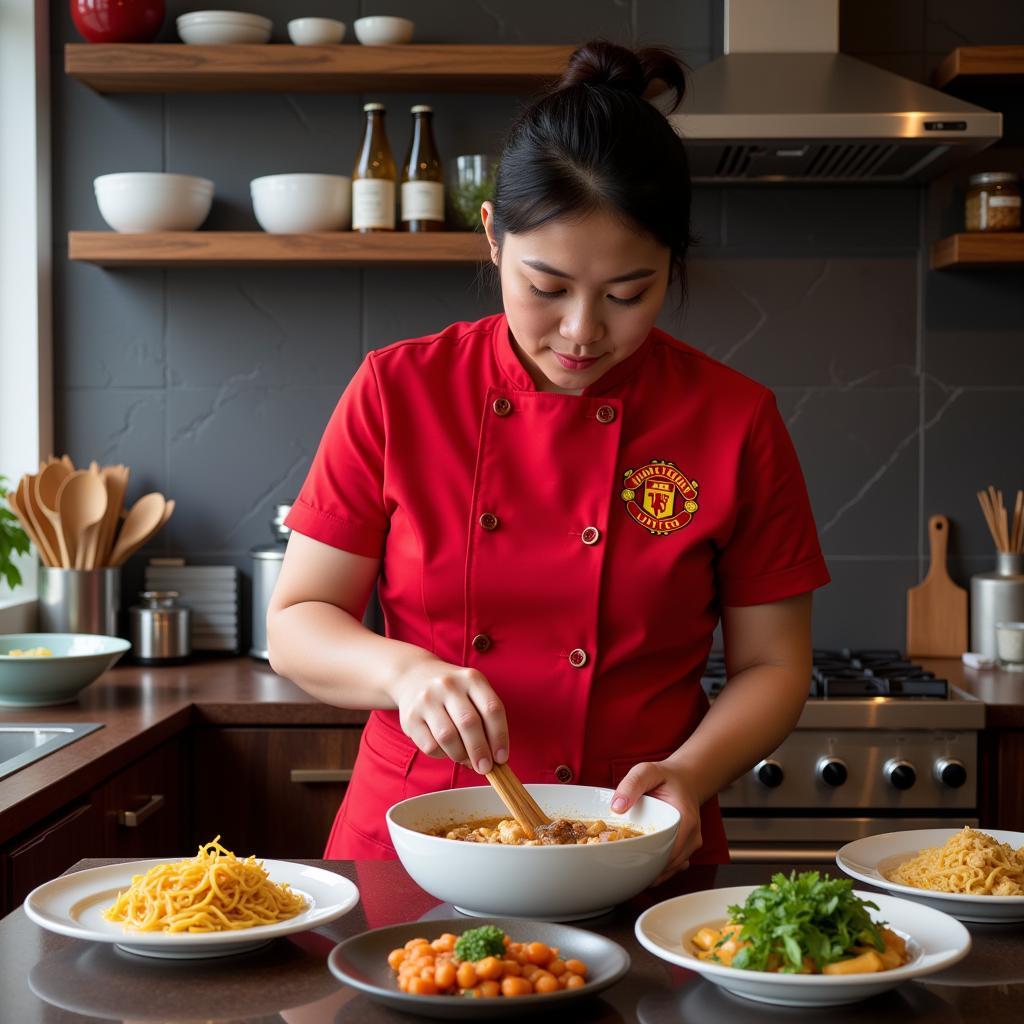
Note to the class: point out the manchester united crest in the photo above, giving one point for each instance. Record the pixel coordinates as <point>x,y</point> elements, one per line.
<point>659,497</point>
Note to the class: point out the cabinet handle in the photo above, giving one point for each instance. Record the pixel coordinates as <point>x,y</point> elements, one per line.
<point>132,819</point>
<point>320,774</point>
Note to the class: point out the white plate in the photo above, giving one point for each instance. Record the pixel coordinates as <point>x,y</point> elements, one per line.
<point>73,905</point>
<point>935,941</point>
<point>867,860</point>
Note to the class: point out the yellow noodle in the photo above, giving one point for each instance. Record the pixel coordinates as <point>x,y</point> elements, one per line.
<point>211,892</point>
<point>969,862</point>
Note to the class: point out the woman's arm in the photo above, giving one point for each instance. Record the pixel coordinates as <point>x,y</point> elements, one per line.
<point>317,639</point>
<point>768,665</point>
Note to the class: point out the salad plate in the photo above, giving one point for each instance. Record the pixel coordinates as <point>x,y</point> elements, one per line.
<point>934,941</point>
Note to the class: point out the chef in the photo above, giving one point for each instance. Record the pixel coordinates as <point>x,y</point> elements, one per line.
<point>557,505</point>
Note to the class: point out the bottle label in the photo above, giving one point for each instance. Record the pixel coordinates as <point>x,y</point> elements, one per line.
<point>422,200</point>
<point>993,200</point>
<point>373,203</point>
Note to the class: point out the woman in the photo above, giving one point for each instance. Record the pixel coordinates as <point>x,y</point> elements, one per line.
<point>558,504</point>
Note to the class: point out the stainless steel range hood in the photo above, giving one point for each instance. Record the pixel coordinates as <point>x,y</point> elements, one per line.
<point>784,105</point>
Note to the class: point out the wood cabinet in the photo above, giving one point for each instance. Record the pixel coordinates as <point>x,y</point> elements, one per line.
<point>270,791</point>
<point>1001,797</point>
<point>142,809</point>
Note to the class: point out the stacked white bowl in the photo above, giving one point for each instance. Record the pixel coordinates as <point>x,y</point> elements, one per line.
<point>212,27</point>
<point>137,201</point>
<point>287,203</point>
<point>383,30</point>
<point>316,31</point>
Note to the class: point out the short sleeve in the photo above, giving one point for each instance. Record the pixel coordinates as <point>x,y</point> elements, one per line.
<point>773,551</point>
<point>341,502</point>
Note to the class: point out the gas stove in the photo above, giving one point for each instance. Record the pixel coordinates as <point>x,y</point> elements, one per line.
<point>882,744</point>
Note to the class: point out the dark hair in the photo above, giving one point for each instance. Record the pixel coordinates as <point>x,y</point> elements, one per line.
<point>594,143</point>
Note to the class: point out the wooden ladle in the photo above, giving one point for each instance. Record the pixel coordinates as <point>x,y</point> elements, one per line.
<point>47,485</point>
<point>144,518</point>
<point>81,502</point>
<point>515,796</point>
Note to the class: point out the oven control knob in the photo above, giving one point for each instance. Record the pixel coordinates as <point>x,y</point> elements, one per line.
<point>832,771</point>
<point>900,773</point>
<point>769,773</point>
<point>950,772</point>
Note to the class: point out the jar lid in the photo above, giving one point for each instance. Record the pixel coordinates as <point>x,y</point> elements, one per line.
<point>993,178</point>
<point>158,598</point>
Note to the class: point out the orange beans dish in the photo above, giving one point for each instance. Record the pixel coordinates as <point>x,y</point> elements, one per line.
<point>431,968</point>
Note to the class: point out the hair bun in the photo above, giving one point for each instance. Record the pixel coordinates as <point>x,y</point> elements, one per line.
<point>599,62</point>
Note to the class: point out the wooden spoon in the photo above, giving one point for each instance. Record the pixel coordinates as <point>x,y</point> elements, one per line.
<point>115,479</point>
<point>144,519</point>
<point>517,799</point>
<point>81,502</point>
<point>47,485</point>
<point>15,500</point>
<point>49,550</point>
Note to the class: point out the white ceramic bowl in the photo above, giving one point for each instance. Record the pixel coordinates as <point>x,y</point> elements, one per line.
<point>934,941</point>
<point>77,659</point>
<point>316,31</point>
<point>213,27</point>
<point>286,203</point>
<point>549,883</point>
<point>153,201</point>
<point>871,859</point>
<point>383,30</point>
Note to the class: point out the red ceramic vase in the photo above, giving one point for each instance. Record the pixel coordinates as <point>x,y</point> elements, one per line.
<point>118,21</point>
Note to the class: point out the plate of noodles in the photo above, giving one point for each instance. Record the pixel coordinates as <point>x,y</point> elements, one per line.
<point>973,874</point>
<point>212,904</point>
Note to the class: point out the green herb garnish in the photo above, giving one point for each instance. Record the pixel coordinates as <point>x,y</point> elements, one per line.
<point>477,943</point>
<point>802,915</point>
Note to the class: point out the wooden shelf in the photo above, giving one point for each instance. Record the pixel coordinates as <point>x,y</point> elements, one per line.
<point>175,67</point>
<point>969,68</point>
<point>259,249</point>
<point>979,249</point>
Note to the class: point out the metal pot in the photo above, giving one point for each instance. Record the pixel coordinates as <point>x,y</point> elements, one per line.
<point>266,567</point>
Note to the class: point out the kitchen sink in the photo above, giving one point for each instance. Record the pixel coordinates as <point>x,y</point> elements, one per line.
<point>21,745</point>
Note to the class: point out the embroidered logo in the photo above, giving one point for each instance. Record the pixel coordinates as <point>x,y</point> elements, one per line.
<point>659,497</point>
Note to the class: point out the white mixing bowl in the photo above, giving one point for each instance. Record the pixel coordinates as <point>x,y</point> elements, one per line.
<point>222,27</point>
<point>316,31</point>
<point>551,883</point>
<point>383,30</point>
<point>135,201</point>
<point>286,203</point>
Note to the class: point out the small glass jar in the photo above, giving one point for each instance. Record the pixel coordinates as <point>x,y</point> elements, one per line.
<point>993,201</point>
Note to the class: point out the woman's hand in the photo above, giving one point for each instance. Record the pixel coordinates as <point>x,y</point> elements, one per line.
<point>660,779</point>
<point>447,710</point>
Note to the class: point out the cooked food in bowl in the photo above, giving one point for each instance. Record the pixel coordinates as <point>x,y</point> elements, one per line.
<point>555,882</point>
<point>31,652</point>
<point>802,924</point>
<point>561,832</point>
<point>484,963</point>
<point>970,862</point>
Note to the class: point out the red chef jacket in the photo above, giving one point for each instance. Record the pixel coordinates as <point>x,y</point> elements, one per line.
<point>576,549</point>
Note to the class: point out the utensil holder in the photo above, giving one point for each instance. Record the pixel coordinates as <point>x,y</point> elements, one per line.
<point>79,600</point>
<point>996,597</point>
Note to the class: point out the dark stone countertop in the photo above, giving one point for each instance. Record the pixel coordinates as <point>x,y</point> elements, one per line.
<point>49,978</point>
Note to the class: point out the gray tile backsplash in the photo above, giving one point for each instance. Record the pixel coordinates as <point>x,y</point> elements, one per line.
<point>903,389</point>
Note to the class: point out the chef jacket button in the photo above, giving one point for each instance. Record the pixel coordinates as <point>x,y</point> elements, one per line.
<point>502,406</point>
<point>489,521</point>
<point>481,642</point>
<point>606,413</point>
<point>591,535</point>
<point>564,773</point>
<point>578,658</point>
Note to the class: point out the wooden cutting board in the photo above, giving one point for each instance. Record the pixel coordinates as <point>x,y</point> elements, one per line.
<point>937,607</point>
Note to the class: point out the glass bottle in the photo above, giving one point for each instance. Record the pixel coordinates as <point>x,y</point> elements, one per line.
<point>422,177</point>
<point>373,179</point>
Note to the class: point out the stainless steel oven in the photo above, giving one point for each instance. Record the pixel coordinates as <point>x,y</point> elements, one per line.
<point>881,745</point>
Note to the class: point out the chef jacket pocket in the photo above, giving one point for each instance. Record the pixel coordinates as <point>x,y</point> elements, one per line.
<point>620,766</point>
<point>388,757</point>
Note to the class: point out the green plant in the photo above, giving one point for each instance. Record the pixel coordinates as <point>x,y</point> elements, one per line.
<point>13,539</point>
<point>467,198</point>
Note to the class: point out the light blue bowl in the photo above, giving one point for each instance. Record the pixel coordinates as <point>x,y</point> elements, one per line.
<point>34,682</point>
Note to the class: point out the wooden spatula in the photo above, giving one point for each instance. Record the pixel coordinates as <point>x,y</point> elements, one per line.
<point>937,607</point>
<point>517,799</point>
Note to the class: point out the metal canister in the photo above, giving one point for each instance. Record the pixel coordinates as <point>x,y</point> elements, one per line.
<point>160,630</point>
<point>996,597</point>
<point>266,567</point>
